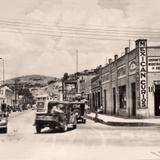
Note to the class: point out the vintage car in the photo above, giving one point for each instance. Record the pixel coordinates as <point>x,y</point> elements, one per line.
<point>54,114</point>
<point>79,109</point>
<point>3,118</point>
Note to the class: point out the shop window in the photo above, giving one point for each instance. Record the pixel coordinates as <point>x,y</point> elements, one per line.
<point>122,96</point>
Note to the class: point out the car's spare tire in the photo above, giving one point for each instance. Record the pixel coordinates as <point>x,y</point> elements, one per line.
<point>77,112</point>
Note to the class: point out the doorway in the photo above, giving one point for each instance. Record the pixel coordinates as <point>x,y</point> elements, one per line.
<point>157,100</point>
<point>93,102</point>
<point>114,100</point>
<point>99,100</point>
<point>133,94</point>
<point>105,101</point>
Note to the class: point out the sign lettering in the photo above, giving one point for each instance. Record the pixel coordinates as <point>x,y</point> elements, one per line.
<point>143,74</point>
<point>154,64</point>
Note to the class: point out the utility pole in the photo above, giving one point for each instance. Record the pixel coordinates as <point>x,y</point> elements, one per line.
<point>129,45</point>
<point>3,70</point>
<point>15,95</point>
<point>76,60</point>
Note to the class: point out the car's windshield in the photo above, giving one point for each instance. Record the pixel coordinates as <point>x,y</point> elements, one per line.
<point>56,107</point>
<point>40,107</point>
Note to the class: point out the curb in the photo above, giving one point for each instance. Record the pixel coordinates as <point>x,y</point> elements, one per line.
<point>123,124</point>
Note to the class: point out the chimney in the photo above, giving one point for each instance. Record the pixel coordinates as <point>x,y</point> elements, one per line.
<point>106,63</point>
<point>115,57</point>
<point>110,60</point>
<point>127,50</point>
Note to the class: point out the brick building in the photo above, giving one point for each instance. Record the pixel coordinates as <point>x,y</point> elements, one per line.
<point>131,83</point>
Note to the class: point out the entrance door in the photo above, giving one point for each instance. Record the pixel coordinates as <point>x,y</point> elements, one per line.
<point>133,90</point>
<point>114,100</point>
<point>157,100</point>
<point>93,102</point>
<point>105,101</point>
<point>99,100</point>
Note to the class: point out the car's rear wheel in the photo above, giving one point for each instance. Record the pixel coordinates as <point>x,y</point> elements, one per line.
<point>38,129</point>
<point>64,128</point>
<point>4,130</point>
<point>74,126</point>
<point>84,121</point>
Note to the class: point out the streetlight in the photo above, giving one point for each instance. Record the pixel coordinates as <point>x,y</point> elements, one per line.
<point>3,70</point>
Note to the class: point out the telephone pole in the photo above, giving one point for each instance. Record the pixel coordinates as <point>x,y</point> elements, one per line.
<point>129,45</point>
<point>3,70</point>
<point>76,60</point>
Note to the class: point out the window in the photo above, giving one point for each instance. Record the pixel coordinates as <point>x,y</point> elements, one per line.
<point>122,96</point>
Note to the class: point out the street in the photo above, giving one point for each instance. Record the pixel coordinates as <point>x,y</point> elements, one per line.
<point>89,141</point>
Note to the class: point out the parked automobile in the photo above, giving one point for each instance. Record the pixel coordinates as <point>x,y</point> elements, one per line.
<point>3,118</point>
<point>54,114</point>
<point>34,107</point>
<point>79,109</point>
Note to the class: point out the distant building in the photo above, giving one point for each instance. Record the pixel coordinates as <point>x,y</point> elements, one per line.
<point>96,93</point>
<point>43,97</point>
<point>85,87</point>
<point>73,85</point>
<point>6,95</point>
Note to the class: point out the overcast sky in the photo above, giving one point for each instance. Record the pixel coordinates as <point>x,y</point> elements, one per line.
<point>34,54</point>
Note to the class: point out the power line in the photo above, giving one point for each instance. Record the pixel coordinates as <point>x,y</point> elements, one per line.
<point>80,26</point>
<point>20,26</point>
<point>75,28</point>
<point>66,32</point>
<point>89,34</point>
<point>63,36</point>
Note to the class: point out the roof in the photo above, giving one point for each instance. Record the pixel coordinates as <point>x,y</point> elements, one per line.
<point>6,88</point>
<point>66,102</point>
<point>44,95</point>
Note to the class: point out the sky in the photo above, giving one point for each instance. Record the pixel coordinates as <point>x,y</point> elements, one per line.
<point>26,54</point>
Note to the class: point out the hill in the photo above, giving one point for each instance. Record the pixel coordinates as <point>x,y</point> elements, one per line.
<point>31,80</point>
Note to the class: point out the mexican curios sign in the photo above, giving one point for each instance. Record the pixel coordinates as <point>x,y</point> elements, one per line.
<point>143,73</point>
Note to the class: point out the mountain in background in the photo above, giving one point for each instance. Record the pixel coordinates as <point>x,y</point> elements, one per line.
<point>31,80</point>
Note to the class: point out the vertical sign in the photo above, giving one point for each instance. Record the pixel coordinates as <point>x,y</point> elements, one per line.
<point>142,48</point>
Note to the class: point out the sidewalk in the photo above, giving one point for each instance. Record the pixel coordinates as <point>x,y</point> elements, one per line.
<point>118,121</point>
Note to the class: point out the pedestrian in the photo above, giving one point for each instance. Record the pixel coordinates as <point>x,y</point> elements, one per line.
<point>87,107</point>
<point>96,116</point>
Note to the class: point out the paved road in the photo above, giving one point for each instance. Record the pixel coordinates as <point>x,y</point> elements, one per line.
<point>91,141</point>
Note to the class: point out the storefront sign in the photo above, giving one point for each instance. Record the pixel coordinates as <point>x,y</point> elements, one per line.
<point>143,74</point>
<point>154,64</point>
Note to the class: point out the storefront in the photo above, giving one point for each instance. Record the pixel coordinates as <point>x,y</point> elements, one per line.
<point>131,83</point>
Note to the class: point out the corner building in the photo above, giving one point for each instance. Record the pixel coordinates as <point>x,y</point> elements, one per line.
<point>131,83</point>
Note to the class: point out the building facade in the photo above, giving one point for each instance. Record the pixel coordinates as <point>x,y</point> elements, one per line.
<point>85,87</point>
<point>6,95</point>
<point>96,93</point>
<point>131,83</point>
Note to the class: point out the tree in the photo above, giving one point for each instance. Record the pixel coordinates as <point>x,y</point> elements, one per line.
<point>65,76</point>
<point>51,81</point>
